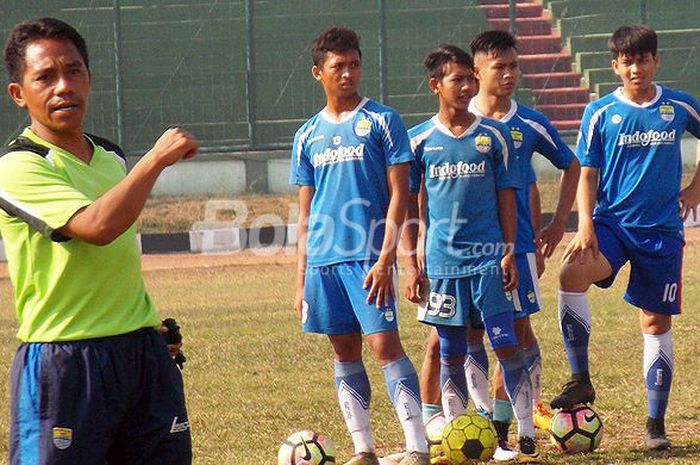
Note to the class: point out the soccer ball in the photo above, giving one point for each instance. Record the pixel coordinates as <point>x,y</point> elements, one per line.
<point>469,439</point>
<point>433,430</point>
<point>576,430</point>
<point>306,448</point>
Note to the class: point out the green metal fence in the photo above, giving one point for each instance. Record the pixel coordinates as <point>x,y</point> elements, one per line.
<point>237,73</point>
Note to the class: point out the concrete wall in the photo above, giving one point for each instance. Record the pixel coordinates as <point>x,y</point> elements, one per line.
<point>203,177</point>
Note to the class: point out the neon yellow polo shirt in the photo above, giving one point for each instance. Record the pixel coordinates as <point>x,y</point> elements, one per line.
<point>67,290</point>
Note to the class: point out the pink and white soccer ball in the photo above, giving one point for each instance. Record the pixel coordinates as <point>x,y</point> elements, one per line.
<point>306,448</point>
<point>576,430</point>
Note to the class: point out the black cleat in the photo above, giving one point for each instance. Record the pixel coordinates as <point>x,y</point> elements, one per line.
<point>655,437</point>
<point>528,451</point>
<point>577,391</point>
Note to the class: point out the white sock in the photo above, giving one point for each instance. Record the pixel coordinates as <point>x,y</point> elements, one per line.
<point>476,370</point>
<point>575,325</point>
<point>658,372</point>
<point>402,384</point>
<point>354,396</point>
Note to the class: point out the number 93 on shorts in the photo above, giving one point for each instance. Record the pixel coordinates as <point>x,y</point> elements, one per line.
<point>465,301</point>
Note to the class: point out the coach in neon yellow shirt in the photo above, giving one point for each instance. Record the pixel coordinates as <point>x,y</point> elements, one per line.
<point>92,381</point>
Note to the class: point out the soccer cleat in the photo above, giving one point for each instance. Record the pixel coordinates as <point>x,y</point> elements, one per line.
<point>363,458</point>
<point>395,457</point>
<point>485,413</point>
<point>655,437</point>
<point>504,454</point>
<point>577,391</point>
<point>528,451</point>
<point>415,458</point>
<point>541,416</point>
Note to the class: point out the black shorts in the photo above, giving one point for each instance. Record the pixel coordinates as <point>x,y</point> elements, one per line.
<point>113,400</point>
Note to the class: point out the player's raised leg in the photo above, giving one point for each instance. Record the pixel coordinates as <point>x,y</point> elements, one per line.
<point>575,324</point>
<point>584,264</point>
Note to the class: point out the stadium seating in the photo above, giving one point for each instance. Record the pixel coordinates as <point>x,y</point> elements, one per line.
<point>586,25</point>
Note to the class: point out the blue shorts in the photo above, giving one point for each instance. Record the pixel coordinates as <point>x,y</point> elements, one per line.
<point>475,301</point>
<point>527,299</point>
<point>112,400</point>
<point>656,264</point>
<point>336,303</point>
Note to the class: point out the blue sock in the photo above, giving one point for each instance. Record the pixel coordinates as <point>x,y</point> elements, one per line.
<point>402,383</point>
<point>502,411</point>
<point>453,384</point>
<point>575,325</point>
<point>429,410</point>
<point>658,371</point>
<point>517,383</point>
<point>354,394</point>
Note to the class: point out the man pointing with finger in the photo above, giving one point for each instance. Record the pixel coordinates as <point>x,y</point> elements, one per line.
<point>92,381</point>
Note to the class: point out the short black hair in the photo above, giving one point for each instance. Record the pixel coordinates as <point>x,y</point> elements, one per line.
<point>29,31</point>
<point>493,41</point>
<point>633,40</point>
<point>436,60</point>
<point>336,39</point>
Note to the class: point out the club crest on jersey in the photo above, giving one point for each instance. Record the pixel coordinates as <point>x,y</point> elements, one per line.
<point>616,119</point>
<point>517,136</point>
<point>667,112</point>
<point>62,437</point>
<point>363,127</point>
<point>483,143</point>
<point>531,297</point>
<point>337,140</point>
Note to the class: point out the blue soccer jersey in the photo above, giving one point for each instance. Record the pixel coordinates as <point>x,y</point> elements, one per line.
<point>531,132</point>
<point>462,175</point>
<point>346,162</point>
<point>637,149</point>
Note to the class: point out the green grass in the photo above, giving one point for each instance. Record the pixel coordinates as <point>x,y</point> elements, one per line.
<point>252,377</point>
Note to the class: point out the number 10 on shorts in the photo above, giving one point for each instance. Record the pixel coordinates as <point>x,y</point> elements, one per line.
<point>670,292</point>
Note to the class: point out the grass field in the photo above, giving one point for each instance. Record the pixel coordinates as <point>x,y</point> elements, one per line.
<point>253,378</point>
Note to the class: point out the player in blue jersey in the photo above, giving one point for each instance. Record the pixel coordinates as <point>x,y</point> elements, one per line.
<point>628,202</point>
<point>351,162</point>
<point>468,173</point>
<point>496,61</point>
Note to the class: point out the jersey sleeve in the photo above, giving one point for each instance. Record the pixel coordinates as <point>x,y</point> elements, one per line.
<point>397,147</point>
<point>301,169</point>
<point>507,166</point>
<point>589,148</point>
<point>33,191</point>
<point>550,144</point>
<point>693,108</point>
